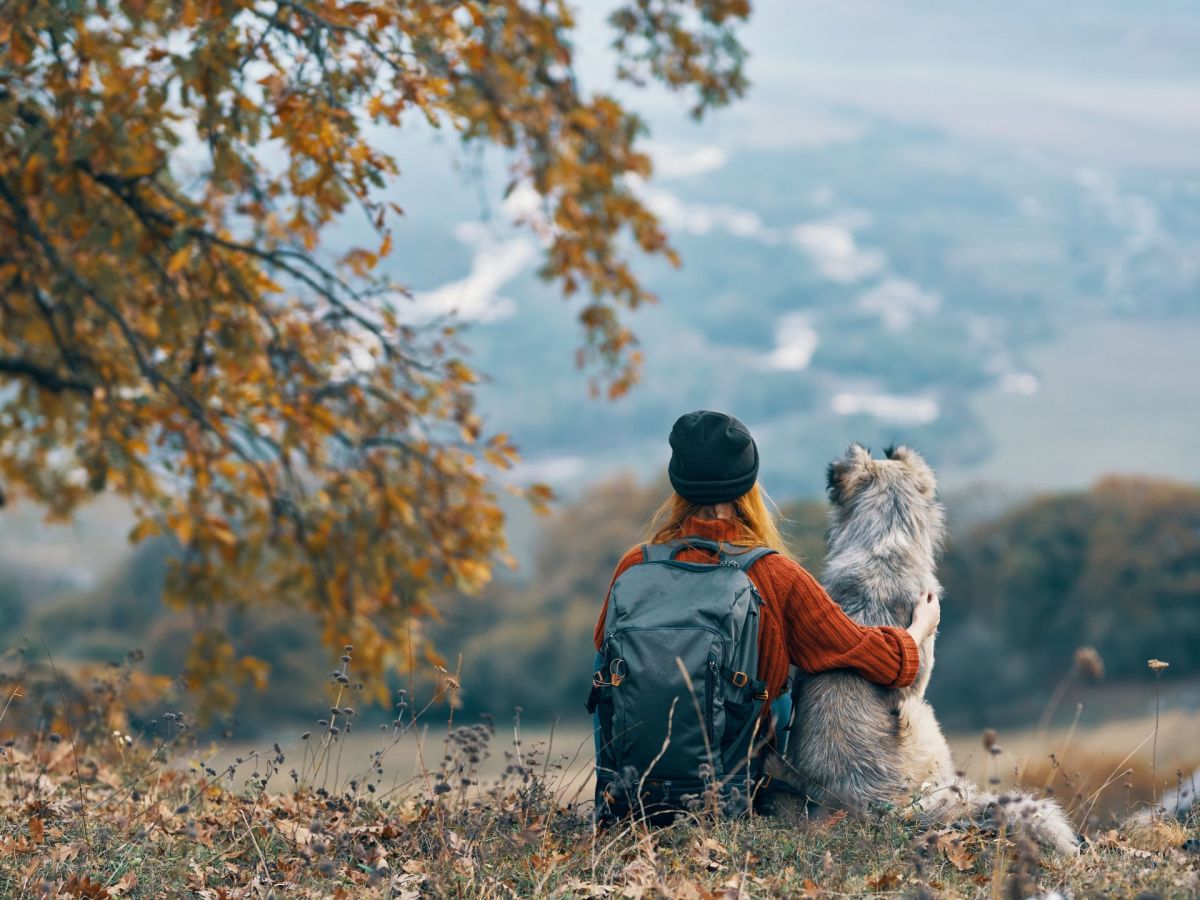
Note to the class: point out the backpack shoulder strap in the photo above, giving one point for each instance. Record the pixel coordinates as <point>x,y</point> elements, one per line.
<point>748,557</point>
<point>665,552</point>
<point>658,552</point>
<point>668,550</point>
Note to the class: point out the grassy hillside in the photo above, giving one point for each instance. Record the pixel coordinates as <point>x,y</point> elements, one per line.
<point>89,811</point>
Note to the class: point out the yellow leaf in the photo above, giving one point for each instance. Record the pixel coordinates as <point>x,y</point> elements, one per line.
<point>183,530</point>
<point>178,260</point>
<point>143,530</point>
<point>222,534</point>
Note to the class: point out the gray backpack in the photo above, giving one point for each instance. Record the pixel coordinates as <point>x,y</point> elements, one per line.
<point>665,739</point>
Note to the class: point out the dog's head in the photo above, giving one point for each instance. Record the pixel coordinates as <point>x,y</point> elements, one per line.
<point>878,499</point>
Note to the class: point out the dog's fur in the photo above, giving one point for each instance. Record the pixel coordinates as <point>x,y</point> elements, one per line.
<point>856,745</point>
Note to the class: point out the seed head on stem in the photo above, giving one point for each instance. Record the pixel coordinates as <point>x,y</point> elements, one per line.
<point>1156,666</point>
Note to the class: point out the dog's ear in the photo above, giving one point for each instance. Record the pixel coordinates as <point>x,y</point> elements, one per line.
<point>919,469</point>
<point>849,473</point>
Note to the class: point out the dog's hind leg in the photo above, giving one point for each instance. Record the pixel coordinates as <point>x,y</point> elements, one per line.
<point>926,761</point>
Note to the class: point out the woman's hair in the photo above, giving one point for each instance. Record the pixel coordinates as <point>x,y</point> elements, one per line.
<point>756,516</point>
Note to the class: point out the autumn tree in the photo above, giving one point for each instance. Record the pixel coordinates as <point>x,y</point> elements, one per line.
<point>173,329</point>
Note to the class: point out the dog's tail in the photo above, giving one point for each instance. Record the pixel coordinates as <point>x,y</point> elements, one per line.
<point>1177,802</point>
<point>1038,817</point>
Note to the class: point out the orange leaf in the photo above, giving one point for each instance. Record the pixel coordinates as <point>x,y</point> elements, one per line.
<point>178,260</point>
<point>884,881</point>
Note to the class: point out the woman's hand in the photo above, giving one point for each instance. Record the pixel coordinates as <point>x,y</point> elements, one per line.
<point>926,615</point>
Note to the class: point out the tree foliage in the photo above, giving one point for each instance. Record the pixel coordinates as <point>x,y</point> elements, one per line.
<point>1116,567</point>
<point>173,328</point>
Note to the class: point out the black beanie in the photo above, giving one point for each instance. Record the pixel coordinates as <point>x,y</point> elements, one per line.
<point>713,457</point>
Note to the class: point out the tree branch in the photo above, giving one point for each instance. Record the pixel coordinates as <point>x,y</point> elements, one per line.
<point>43,377</point>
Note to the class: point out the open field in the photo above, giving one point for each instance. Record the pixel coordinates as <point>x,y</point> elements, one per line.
<point>1087,757</point>
<point>406,759</point>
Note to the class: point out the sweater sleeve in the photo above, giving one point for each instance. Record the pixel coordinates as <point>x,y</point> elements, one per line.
<point>820,636</point>
<point>632,556</point>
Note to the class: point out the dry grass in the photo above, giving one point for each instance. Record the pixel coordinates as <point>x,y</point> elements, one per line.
<point>1102,774</point>
<point>121,815</point>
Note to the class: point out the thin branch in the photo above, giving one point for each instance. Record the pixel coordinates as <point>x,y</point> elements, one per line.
<point>45,378</point>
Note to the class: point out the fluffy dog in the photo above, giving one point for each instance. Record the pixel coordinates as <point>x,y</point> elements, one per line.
<point>856,745</point>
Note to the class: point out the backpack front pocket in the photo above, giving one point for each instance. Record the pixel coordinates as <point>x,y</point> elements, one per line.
<point>665,726</point>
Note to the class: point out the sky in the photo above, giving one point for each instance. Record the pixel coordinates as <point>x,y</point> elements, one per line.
<point>900,178</point>
<point>1104,80</point>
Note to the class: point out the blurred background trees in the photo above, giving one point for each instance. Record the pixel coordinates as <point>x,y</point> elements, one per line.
<point>1023,590</point>
<point>1116,567</point>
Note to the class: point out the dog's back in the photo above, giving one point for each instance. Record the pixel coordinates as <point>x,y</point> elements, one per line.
<point>885,527</point>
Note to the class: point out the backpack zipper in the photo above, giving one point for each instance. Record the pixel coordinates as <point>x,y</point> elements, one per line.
<point>710,689</point>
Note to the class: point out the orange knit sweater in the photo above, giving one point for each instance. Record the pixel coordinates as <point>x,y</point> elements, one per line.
<point>800,624</point>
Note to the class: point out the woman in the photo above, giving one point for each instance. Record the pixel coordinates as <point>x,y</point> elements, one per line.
<point>716,498</point>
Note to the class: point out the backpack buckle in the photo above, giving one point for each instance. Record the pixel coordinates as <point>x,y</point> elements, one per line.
<point>616,671</point>
<point>740,679</point>
<point>616,674</point>
<point>764,696</point>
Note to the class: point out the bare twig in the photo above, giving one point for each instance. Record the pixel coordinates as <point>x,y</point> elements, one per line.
<point>261,858</point>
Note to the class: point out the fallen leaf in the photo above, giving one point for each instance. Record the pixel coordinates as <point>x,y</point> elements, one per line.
<point>884,881</point>
<point>61,853</point>
<point>589,888</point>
<point>527,836</point>
<point>708,852</point>
<point>62,757</point>
<point>960,857</point>
<point>128,880</point>
<point>37,830</point>
<point>294,832</point>
<point>83,888</point>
